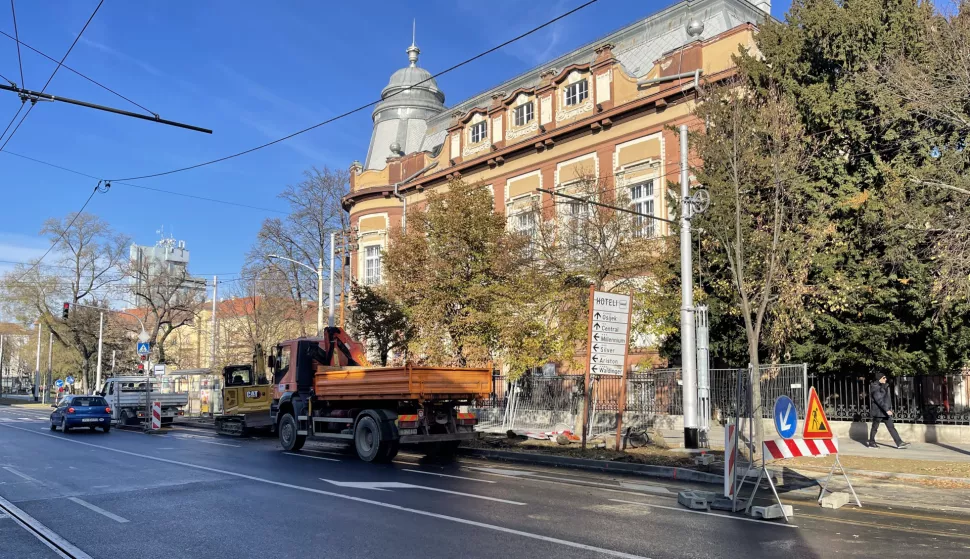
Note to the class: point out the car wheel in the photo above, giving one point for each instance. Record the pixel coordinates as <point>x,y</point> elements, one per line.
<point>53,427</point>
<point>64,426</point>
<point>106,428</point>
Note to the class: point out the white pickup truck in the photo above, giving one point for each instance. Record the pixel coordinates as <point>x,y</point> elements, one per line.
<point>126,398</point>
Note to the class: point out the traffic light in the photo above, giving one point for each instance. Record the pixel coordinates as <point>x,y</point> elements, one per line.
<point>141,366</point>
<point>67,310</point>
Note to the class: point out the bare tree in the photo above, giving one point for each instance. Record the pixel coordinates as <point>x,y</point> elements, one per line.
<point>316,210</point>
<point>933,85</point>
<point>168,298</point>
<point>753,153</point>
<point>85,267</point>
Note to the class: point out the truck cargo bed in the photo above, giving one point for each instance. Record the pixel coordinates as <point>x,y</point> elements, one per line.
<point>401,383</point>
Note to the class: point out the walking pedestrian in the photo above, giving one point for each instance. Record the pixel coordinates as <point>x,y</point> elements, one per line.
<point>881,410</point>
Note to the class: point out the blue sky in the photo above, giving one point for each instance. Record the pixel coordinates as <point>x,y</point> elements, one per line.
<point>252,71</point>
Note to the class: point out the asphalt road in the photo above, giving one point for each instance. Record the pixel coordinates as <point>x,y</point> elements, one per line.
<point>190,493</point>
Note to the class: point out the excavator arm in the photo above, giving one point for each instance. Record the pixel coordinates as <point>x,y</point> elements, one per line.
<point>338,349</point>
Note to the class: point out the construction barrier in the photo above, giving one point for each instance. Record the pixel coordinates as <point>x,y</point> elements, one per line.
<point>156,416</point>
<point>780,449</point>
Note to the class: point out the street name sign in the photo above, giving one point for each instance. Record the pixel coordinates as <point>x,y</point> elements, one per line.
<point>786,417</point>
<point>609,334</point>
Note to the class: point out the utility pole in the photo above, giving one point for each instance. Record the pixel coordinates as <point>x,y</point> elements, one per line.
<point>50,364</point>
<point>333,241</point>
<point>215,297</point>
<point>343,280</point>
<point>320,294</point>
<point>112,362</point>
<point>687,348</point>
<point>1,365</point>
<point>40,327</point>
<point>97,381</point>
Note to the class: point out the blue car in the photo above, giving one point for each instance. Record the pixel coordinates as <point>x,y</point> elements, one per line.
<point>81,411</point>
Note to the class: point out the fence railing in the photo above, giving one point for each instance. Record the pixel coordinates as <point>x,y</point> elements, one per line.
<point>935,399</point>
<point>540,402</point>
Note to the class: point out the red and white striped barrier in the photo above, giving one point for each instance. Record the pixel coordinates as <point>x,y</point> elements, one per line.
<point>779,449</point>
<point>156,415</point>
<point>729,459</point>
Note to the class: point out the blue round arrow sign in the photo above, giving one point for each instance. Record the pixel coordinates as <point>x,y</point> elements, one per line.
<point>58,383</point>
<point>786,417</point>
<point>69,380</point>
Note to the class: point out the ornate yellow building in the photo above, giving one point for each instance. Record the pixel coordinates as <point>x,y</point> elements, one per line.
<point>605,107</point>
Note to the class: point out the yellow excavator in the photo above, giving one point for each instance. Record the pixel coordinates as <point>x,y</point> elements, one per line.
<point>246,396</point>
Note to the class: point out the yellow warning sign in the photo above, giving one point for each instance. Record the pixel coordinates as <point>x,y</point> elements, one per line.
<point>816,424</point>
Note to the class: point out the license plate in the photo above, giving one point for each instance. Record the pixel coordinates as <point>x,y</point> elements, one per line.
<point>408,431</point>
<point>89,420</point>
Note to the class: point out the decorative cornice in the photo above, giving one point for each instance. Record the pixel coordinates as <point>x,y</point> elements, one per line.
<point>563,114</point>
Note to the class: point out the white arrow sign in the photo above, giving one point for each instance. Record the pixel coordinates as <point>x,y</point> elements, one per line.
<point>598,369</point>
<point>606,317</point>
<point>784,419</point>
<point>387,485</point>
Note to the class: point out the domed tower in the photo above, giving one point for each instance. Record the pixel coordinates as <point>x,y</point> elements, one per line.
<point>401,117</point>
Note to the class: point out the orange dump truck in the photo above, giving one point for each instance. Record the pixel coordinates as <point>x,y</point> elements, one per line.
<point>324,388</point>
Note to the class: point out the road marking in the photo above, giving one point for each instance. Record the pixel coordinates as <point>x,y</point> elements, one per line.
<point>912,516</point>
<point>706,513</point>
<point>501,472</point>
<point>314,457</point>
<point>98,510</point>
<point>385,485</point>
<point>25,476</point>
<point>891,527</point>
<point>390,506</point>
<point>196,439</point>
<point>59,545</point>
<point>446,475</point>
<point>523,476</point>
<point>408,463</point>
<point>325,452</point>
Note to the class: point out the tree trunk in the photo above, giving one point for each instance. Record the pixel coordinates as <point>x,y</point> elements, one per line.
<point>754,391</point>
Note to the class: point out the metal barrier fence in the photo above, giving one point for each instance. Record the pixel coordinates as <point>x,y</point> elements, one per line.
<point>930,399</point>
<point>537,402</point>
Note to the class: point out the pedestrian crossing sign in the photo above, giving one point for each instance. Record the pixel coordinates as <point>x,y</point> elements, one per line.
<point>816,424</point>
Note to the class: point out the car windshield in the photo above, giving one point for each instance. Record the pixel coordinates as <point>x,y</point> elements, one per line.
<point>88,401</point>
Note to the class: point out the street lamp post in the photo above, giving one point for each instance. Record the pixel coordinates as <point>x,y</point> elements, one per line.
<point>319,272</point>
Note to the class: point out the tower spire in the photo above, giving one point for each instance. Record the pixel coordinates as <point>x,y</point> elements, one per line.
<point>413,50</point>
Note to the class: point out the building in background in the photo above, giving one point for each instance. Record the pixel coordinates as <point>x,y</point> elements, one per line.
<point>607,107</point>
<point>167,258</point>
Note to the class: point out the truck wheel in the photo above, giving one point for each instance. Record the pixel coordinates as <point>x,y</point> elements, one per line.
<point>369,443</point>
<point>126,418</point>
<point>289,439</point>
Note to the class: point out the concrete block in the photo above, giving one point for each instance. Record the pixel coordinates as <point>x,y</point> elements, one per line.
<point>723,503</point>
<point>695,500</point>
<point>772,512</point>
<point>834,500</point>
<point>704,460</point>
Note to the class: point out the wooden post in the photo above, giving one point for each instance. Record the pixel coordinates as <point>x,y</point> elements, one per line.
<point>621,405</point>
<point>587,392</point>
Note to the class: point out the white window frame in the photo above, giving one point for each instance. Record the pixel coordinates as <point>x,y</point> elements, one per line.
<point>643,199</point>
<point>527,114</point>
<point>479,129</point>
<point>373,275</point>
<point>514,219</point>
<point>577,91</point>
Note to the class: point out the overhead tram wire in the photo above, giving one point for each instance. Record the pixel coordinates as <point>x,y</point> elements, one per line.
<point>366,106</point>
<point>153,189</point>
<point>51,78</point>
<point>68,68</point>
<point>20,60</point>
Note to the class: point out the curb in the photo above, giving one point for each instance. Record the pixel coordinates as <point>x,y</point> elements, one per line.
<point>889,476</point>
<point>665,472</point>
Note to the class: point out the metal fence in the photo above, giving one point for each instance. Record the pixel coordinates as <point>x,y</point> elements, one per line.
<point>929,399</point>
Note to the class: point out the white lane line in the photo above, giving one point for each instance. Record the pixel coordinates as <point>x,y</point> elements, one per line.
<point>41,532</point>
<point>196,439</point>
<point>325,452</point>
<point>166,448</point>
<point>98,510</point>
<point>408,463</point>
<point>390,506</point>
<point>386,485</point>
<point>25,476</point>
<point>446,475</point>
<point>314,457</point>
<point>724,516</point>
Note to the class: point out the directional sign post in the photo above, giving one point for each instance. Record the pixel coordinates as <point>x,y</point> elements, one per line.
<point>609,337</point>
<point>786,417</point>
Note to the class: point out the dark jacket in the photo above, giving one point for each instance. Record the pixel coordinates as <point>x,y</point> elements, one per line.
<point>880,401</point>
